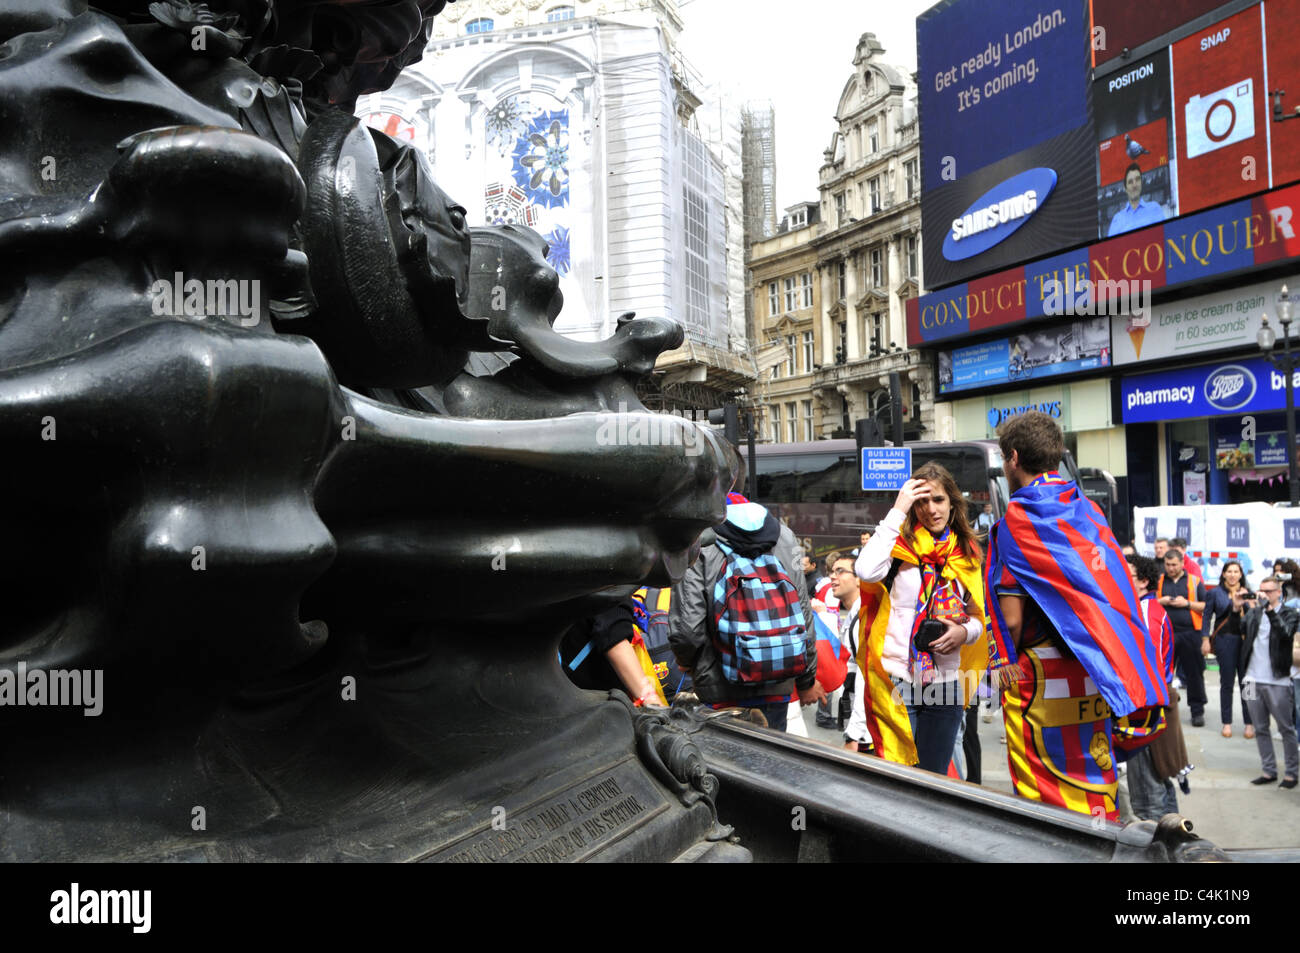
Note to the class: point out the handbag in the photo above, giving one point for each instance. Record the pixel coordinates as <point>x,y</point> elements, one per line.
<point>930,628</point>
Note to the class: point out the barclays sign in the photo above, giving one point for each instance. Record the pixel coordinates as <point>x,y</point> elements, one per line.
<point>998,414</point>
<point>994,216</point>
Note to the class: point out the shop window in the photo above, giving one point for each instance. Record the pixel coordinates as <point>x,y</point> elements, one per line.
<point>1189,458</point>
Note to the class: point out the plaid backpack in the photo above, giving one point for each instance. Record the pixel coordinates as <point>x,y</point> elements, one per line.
<point>758,620</point>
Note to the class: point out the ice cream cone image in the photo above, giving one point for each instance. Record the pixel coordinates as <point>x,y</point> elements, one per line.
<point>1136,335</point>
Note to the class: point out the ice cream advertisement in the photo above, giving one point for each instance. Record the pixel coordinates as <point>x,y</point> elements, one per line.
<point>1197,326</point>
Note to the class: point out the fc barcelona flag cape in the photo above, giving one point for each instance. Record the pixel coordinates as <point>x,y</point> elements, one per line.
<point>1057,546</point>
<point>941,563</point>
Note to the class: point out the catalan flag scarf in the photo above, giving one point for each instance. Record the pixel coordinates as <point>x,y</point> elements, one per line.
<point>1056,544</point>
<point>943,566</point>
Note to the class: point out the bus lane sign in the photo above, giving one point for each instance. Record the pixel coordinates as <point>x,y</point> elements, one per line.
<point>885,468</point>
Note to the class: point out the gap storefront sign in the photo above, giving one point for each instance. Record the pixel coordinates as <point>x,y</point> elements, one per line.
<point>1238,236</point>
<point>1246,386</point>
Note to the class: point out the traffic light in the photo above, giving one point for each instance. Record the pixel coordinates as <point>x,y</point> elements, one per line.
<point>729,417</point>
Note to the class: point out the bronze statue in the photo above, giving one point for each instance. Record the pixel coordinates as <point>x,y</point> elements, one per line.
<point>309,501</point>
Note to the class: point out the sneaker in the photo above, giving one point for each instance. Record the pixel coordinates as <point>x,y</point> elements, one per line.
<point>1184,785</point>
<point>1178,684</point>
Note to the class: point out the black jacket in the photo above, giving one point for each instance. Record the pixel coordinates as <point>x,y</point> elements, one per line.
<point>690,616</point>
<point>1283,623</point>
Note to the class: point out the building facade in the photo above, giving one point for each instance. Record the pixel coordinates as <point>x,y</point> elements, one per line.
<point>787,308</point>
<point>868,254</point>
<point>578,120</point>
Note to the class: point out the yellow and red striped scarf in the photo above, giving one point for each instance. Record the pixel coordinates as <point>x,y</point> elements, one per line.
<point>939,561</point>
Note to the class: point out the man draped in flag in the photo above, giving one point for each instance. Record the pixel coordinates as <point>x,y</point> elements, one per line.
<point>1070,643</point>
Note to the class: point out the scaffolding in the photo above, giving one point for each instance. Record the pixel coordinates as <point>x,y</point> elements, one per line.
<point>758,159</point>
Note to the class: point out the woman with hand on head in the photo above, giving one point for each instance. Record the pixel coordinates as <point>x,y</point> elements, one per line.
<point>924,605</point>
<point>1221,630</point>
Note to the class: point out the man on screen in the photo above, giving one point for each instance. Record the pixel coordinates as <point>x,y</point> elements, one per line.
<point>1137,211</point>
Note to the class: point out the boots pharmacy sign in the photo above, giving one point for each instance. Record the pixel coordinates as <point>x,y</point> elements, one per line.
<point>1211,390</point>
<point>1194,326</point>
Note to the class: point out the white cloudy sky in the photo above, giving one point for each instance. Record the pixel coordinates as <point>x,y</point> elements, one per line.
<point>799,56</point>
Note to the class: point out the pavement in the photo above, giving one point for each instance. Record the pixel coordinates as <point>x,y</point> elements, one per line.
<point>1224,807</point>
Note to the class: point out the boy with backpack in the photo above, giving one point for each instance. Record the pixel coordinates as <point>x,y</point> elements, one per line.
<point>740,622</point>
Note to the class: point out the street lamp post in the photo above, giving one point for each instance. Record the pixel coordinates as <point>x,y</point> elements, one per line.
<point>1286,364</point>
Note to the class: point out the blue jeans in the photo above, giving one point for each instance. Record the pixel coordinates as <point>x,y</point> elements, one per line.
<point>935,713</point>
<point>1152,798</point>
<point>776,714</point>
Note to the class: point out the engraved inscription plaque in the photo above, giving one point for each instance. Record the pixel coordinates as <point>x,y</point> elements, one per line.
<point>571,825</point>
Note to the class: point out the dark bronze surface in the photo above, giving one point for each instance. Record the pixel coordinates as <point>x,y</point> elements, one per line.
<point>320,539</point>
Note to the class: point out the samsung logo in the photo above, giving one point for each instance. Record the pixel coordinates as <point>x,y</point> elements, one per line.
<point>1230,387</point>
<point>996,214</point>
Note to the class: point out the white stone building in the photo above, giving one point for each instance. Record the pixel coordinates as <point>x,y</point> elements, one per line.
<point>577,119</point>
<point>869,251</point>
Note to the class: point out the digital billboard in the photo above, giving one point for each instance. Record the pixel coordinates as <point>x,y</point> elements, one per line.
<point>1135,151</point>
<point>1181,128</point>
<point>1005,90</point>
<point>1221,103</point>
<point>1122,25</point>
<point>1019,67</point>
<point>1027,358</point>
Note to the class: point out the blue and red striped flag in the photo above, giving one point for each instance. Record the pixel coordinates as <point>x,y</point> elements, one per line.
<point>1056,544</point>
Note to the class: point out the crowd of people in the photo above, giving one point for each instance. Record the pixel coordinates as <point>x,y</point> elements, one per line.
<point>1083,645</point>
